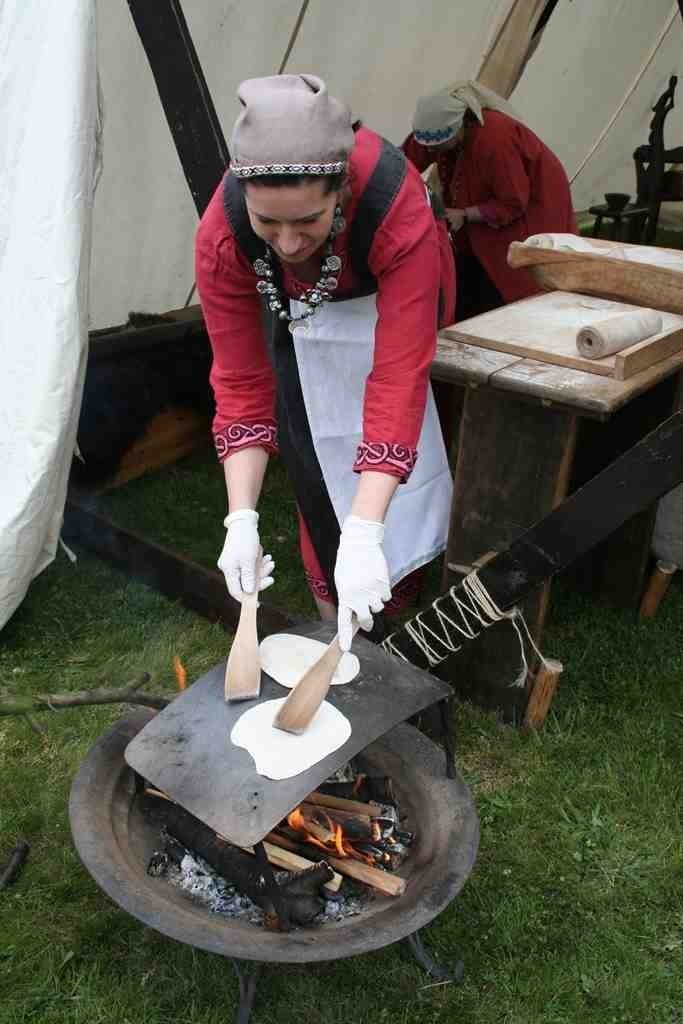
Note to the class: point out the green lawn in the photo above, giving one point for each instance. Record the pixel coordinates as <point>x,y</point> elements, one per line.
<point>574,912</point>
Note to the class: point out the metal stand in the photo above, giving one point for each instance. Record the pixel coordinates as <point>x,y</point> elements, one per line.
<point>248,978</point>
<point>247,982</point>
<point>448,740</point>
<point>433,969</point>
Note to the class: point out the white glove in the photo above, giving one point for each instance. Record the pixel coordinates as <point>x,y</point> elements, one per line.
<point>361,576</point>
<point>240,554</point>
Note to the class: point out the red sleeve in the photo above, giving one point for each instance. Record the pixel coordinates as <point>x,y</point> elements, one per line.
<point>405,259</point>
<point>420,156</point>
<point>503,174</point>
<point>241,374</point>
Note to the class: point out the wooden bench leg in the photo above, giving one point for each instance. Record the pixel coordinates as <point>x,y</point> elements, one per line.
<point>657,587</point>
<point>514,463</point>
<point>542,693</point>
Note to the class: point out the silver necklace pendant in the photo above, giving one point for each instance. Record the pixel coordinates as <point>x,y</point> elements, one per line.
<point>300,326</point>
<point>317,294</point>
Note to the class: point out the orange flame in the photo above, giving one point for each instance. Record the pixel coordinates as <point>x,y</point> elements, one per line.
<point>338,845</point>
<point>296,820</point>
<point>339,841</point>
<point>180,672</point>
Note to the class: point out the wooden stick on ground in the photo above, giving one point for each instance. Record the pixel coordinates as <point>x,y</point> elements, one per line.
<point>542,693</point>
<point>14,704</point>
<point>15,863</point>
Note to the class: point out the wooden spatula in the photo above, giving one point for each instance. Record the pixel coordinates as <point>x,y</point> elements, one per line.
<point>243,671</point>
<point>297,712</point>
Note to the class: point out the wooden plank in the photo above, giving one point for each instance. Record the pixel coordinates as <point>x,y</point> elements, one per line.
<point>462,363</point>
<point>586,518</point>
<point>171,573</point>
<point>643,355</point>
<point>545,327</point>
<point>514,465</point>
<point>616,569</point>
<point>591,395</point>
<point>627,553</point>
<point>118,341</point>
<point>658,287</point>
<point>512,469</point>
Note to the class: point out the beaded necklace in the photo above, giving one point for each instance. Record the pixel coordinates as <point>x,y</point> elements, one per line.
<point>314,297</point>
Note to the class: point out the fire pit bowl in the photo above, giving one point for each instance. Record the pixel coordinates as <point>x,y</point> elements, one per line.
<point>115,840</point>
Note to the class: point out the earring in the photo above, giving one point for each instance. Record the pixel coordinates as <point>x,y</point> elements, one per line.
<point>338,222</point>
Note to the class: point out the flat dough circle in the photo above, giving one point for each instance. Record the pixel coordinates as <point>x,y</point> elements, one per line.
<point>281,755</point>
<point>285,657</point>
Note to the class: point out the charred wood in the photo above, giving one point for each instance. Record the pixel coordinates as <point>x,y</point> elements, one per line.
<point>234,865</point>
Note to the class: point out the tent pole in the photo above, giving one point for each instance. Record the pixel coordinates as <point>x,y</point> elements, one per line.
<point>184,95</point>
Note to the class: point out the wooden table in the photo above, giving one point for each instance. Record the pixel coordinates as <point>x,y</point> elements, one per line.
<point>529,433</point>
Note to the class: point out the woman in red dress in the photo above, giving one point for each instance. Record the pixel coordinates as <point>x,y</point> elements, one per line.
<point>332,227</point>
<point>499,183</point>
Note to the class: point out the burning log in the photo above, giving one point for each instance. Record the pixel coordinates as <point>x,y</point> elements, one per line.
<point>294,862</point>
<point>370,810</point>
<point>355,826</point>
<point>365,787</point>
<point>376,878</point>
<point>301,903</point>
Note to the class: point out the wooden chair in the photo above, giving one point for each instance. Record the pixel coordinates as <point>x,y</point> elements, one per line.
<point>654,184</point>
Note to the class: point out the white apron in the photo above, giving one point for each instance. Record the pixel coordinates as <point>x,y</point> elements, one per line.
<point>334,354</point>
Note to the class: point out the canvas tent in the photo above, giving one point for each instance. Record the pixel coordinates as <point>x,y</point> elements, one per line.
<point>587,88</point>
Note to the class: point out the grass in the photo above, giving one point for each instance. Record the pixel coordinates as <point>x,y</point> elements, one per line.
<point>574,912</point>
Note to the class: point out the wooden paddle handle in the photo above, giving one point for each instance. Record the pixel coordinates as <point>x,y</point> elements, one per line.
<point>252,599</point>
<point>298,710</point>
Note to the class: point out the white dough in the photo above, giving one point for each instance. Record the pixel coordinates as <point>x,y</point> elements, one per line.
<point>281,755</point>
<point>286,657</point>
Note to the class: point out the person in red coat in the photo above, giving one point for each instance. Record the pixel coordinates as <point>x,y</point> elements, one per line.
<point>321,270</point>
<point>499,183</point>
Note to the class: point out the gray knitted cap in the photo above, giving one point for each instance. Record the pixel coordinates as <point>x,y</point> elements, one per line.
<point>289,125</point>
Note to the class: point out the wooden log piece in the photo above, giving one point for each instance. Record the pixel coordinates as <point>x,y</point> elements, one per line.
<point>354,826</point>
<point>390,885</point>
<point>542,693</point>
<point>276,857</point>
<point>370,810</point>
<point>290,861</point>
<point>659,583</point>
<point>239,866</point>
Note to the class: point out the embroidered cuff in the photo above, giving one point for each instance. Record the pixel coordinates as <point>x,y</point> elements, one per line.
<point>381,457</point>
<point>235,436</point>
<point>319,586</point>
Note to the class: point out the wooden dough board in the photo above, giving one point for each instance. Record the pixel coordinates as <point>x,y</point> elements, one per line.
<point>654,280</point>
<point>544,328</point>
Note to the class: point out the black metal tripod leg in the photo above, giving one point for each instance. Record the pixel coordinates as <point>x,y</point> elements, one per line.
<point>433,969</point>
<point>247,982</point>
<point>448,739</point>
